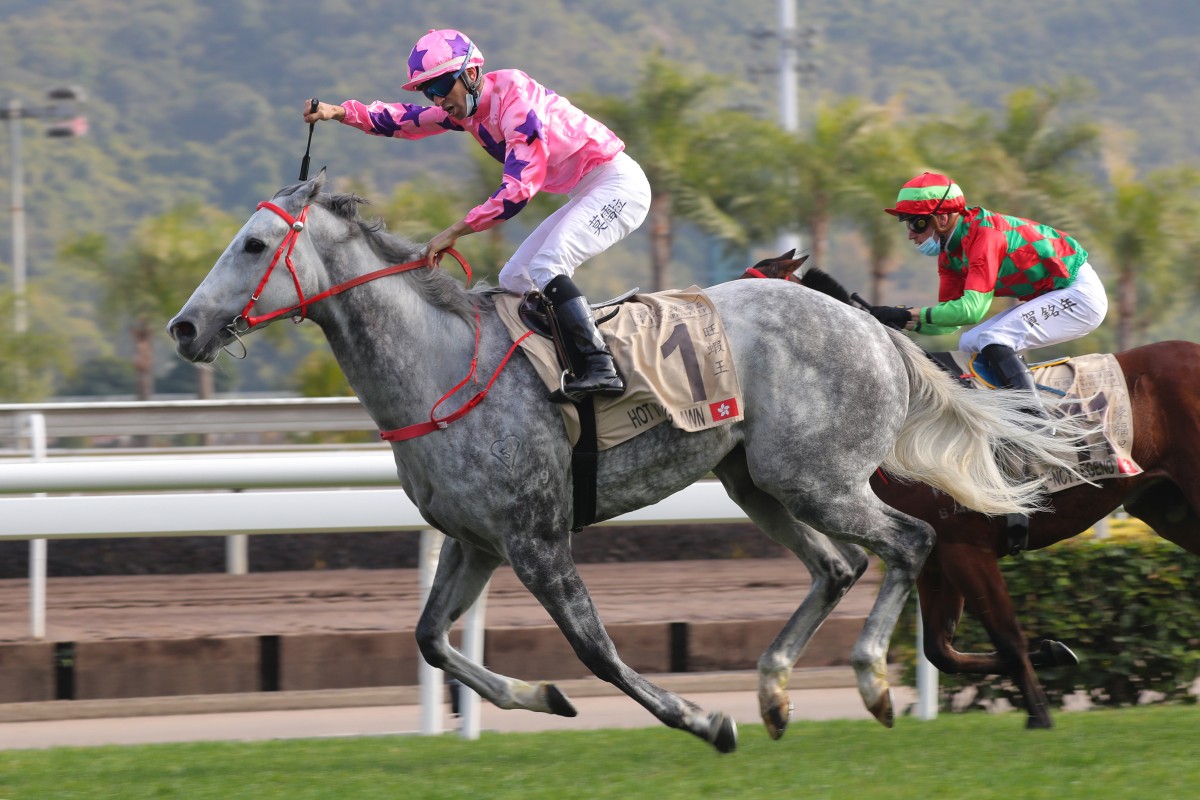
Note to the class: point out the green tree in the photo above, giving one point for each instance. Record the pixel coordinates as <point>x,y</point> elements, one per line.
<point>148,280</point>
<point>1147,229</point>
<point>1035,161</point>
<point>827,165</point>
<point>734,189</point>
<point>883,159</point>
<point>659,124</point>
<point>29,361</point>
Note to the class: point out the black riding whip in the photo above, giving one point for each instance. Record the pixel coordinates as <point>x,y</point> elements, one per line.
<point>304,163</point>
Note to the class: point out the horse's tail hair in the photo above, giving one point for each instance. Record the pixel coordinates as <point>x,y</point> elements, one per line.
<point>972,444</point>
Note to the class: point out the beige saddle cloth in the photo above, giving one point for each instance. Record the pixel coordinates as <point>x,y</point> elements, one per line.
<point>1097,385</point>
<point>671,349</point>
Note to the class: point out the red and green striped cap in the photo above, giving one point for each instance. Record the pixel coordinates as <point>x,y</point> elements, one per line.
<point>922,194</point>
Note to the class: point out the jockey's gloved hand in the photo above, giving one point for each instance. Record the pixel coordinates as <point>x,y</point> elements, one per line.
<point>892,316</point>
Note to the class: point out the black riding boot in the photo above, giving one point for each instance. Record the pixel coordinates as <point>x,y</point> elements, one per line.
<point>1011,369</point>
<point>594,370</point>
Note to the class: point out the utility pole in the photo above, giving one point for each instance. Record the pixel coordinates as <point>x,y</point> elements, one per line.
<point>792,40</point>
<point>75,125</point>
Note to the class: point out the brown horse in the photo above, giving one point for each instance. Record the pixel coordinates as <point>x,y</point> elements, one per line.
<point>962,570</point>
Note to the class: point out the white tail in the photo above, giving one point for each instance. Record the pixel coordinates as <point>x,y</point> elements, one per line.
<point>972,444</point>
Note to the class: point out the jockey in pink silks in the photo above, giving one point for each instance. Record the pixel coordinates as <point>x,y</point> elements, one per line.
<point>545,144</point>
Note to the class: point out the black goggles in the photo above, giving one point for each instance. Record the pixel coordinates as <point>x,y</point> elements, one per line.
<point>440,86</point>
<point>919,223</point>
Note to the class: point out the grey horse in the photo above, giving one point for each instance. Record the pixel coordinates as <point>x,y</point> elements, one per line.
<point>829,396</point>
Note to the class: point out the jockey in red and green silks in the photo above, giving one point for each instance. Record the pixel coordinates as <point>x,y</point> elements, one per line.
<point>981,255</point>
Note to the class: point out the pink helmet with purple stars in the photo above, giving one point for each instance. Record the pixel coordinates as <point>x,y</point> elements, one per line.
<point>439,52</point>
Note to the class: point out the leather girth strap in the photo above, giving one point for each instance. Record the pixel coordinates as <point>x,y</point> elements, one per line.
<point>583,467</point>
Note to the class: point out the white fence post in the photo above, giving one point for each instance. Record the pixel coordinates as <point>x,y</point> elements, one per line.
<point>237,554</point>
<point>37,547</point>
<point>430,678</point>
<point>468,700</point>
<point>927,676</point>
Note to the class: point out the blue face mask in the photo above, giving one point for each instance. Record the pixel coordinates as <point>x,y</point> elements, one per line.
<point>930,247</point>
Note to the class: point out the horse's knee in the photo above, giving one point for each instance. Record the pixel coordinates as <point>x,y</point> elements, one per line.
<point>432,645</point>
<point>938,653</point>
<point>601,660</point>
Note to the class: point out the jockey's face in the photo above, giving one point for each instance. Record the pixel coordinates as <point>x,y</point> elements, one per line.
<point>455,101</point>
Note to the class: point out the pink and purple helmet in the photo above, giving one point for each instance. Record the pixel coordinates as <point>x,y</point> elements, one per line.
<point>439,52</point>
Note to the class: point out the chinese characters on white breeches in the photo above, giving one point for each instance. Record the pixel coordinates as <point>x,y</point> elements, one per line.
<point>1057,316</point>
<point>606,206</point>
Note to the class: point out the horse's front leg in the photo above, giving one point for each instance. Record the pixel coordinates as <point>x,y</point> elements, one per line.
<point>977,578</point>
<point>544,564</point>
<point>463,572</point>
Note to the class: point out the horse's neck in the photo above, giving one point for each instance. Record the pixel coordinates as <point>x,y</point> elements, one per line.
<point>399,352</point>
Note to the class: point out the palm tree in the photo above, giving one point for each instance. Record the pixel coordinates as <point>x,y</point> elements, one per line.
<point>659,125</point>
<point>883,159</point>
<point>1146,227</point>
<point>827,164</point>
<point>734,188</point>
<point>1031,163</point>
<point>143,285</point>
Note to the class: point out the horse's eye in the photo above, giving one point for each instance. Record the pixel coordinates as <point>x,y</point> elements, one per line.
<point>255,246</point>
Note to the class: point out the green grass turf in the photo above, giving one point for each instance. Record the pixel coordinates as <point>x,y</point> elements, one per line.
<point>1109,754</point>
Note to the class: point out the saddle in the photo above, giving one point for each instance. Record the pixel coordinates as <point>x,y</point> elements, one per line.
<point>534,311</point>
<point>670,347</point>
<point>1095,386</point>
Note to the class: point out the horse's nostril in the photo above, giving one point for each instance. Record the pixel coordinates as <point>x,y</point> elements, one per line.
<point>183,331</point>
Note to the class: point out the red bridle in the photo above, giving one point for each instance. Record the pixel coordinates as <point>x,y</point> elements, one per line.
<point>285,250</point>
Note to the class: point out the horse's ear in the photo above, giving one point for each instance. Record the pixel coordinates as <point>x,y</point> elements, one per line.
<point>787,255</point>
<point>316,184</point>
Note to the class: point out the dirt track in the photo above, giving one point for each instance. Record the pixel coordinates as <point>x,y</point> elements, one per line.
<point>172,606</point>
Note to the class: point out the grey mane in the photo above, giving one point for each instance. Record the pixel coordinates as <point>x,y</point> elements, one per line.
<point>436,286</point>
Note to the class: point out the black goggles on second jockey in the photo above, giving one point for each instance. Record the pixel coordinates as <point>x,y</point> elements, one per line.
<point>442,85</point>
<point>919,223</point>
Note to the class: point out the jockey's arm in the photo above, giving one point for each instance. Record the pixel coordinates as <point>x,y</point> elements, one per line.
<point>949,316</point>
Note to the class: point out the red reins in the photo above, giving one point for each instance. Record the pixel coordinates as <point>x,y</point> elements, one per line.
<point>285,250</point>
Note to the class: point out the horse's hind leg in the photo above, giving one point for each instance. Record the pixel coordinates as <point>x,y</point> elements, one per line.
<point>463,572</point>
<point>546,568</point>
<point>834,566</point>
<point>977,575</point>
<point>1171,510</point>
<point>903,543</point>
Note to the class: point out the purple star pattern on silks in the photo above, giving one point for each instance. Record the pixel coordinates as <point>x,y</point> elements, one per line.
<point>513,166</point>
<point>449,124</point>
<point>511,209</point>
<point>458,46</point>
<point>531,127</point>
<point>494,149</point>
<point>416,60</point>
<point>383,124</point>
<point>412,113</point>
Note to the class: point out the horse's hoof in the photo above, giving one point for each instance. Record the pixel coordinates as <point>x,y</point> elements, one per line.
<point>722,732</point>
<point>883,710</point>
<point>557,701</point>
<point>1056,654</point>
<point>776,718</point>
<point>1039,723</point>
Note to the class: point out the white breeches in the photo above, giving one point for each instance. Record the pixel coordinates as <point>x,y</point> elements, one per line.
<point>606,206</point>
<point>1057,316</point>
